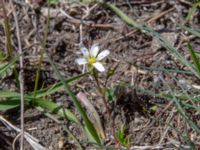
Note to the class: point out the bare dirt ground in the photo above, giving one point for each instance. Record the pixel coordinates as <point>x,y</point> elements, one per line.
<point>129,48</point>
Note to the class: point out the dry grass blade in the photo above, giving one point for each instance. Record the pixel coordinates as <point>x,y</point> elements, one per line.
<point>32,140</point>
<point>161,146</point>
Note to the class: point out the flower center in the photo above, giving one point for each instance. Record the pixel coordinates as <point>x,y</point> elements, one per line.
<point>91,60</point>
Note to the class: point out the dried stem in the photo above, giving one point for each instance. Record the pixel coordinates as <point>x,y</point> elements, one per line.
<point>21,76</point>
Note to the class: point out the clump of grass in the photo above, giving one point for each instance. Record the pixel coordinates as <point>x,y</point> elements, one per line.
<point>122,138</point>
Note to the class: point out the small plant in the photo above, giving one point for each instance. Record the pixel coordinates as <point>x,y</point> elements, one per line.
<point>3,56</point>
<point>6,68</point>
<point>122,138</point>
<point>91,62</point>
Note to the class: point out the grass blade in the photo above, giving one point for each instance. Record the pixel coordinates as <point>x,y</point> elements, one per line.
<point>54,108</point>
<point>194,58</point>
<point>8,94</point>
<point>8,104</point>
<point>57,87</point>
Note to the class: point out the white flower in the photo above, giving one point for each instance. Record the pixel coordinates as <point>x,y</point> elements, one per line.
<point>91,58</point>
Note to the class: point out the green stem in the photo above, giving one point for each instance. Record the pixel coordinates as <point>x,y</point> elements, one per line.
<point>42,53</point>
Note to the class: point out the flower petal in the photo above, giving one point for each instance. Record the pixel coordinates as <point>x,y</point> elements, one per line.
<point>103,54</point>
<point>81,61</point>
<point>99,66</point>
<point>94,50</point>
<point>85,51</point>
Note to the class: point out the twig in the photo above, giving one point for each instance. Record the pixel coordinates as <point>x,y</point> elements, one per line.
<point>160,146</point>
<point>185,2</point>
<point>169,120</point>
<point>160,15</point>
<point>185,39</point>
<point>70,17</point>
<point>21,76</point>
<point>14,141</point>
<point>104,26</point>
<point>141,2</point>
<point>81,35</point>
<point>88,10</point>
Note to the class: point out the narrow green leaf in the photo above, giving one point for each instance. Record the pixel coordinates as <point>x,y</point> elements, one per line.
<point>57,87</point>
<point>194,58</point>
<point>8,94</point>
<point>54,108</point>
<point>9,104</point>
